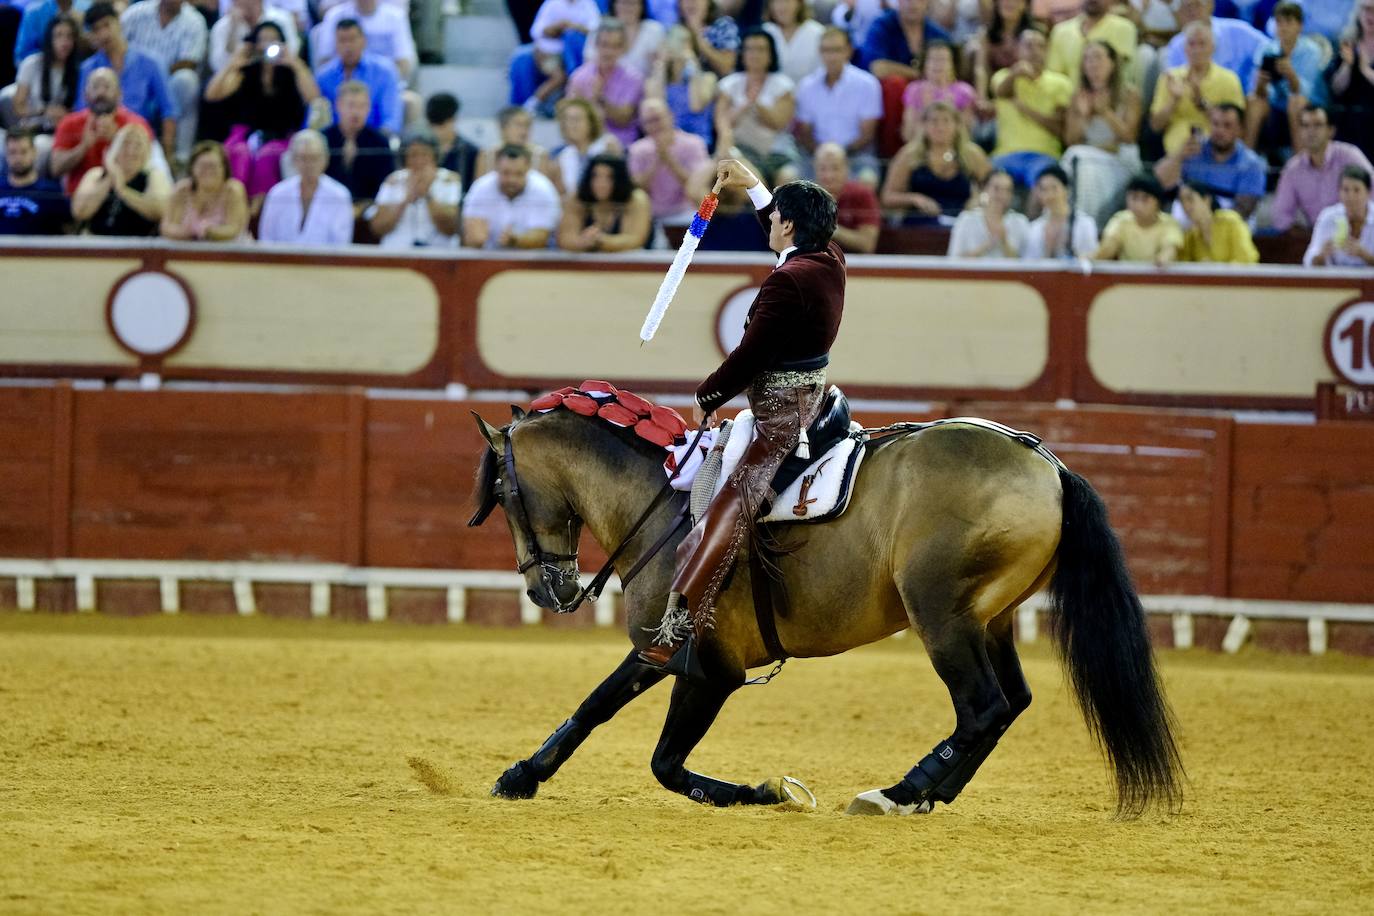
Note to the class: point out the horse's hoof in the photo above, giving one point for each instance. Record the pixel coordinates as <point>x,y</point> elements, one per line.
<point>517,782</point>
<point>788,791</point>
<point>874,802</point>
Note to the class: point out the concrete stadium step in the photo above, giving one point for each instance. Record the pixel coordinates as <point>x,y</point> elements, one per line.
<point>482,90</point>
<point>479,41</point>
<point>485,8</point>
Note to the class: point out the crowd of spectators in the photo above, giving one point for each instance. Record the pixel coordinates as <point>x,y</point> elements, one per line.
<point>1149,130</point>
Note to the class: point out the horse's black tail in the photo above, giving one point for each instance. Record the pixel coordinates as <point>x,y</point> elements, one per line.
<point>1098,626</point>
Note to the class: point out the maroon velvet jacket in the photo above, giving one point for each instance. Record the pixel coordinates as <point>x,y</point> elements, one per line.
<point>794,320</point>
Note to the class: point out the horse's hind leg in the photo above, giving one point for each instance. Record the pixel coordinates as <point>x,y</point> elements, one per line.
<point>628,681</point>
<point>691,712</point>
<point>958,648</point>
<point>1001,648</point>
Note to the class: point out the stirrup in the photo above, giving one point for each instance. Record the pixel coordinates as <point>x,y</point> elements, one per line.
<point>686,662</point>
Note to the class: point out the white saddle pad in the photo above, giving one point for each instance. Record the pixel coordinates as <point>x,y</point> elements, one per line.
<point>820,494</point>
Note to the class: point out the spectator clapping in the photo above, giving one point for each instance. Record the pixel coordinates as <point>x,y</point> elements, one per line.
<point>210,204</point>
<point>606,212</point>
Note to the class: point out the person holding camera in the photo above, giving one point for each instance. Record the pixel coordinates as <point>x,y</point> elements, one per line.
<point>266,88</point>
<point>1288,75</point>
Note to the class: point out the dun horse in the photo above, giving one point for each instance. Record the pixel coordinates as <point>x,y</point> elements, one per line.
<point>949,530</point>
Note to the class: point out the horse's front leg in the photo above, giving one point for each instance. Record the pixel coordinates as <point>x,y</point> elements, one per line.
<point>693,708</point>
<point>626,682</point>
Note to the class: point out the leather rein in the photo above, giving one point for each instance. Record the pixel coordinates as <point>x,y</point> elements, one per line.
<point>551,574</point>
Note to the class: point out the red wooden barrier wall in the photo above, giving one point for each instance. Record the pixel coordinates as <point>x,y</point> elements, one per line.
<point>1204,505</point>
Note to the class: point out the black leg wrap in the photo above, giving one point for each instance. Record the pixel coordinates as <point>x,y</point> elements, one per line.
<point>950,787</point>
<point>557,748</point>
<point>716,792</point>
<point>919,784</point>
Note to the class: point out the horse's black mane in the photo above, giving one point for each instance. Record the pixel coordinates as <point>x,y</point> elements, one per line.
<point>489,464</point>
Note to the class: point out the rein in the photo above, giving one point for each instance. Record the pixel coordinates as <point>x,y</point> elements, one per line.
<point>552,574</point>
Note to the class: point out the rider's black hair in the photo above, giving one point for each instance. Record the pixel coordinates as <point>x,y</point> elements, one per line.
<point>811,210</point>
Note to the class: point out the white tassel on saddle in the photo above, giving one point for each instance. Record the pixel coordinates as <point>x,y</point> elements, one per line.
<point>803,445</point>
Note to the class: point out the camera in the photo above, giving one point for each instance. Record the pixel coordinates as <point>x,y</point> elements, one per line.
<point>1270,64</point>
<point>272,52</point>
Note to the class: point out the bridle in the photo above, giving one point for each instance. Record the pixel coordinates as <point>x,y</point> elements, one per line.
<point>551,575</point>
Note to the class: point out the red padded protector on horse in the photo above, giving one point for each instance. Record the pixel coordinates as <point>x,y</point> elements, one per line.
<point>669,419</point>
<point>549,401</point>
<point>635,402</point>
<point>647,429</point>
<point>582,404</point>
<point>598,387</point>
<point>617,415</point>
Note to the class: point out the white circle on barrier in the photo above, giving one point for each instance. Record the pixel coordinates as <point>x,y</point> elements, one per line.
<point>1350,343</point>
<point>150,313</point>
<point>730,319</point>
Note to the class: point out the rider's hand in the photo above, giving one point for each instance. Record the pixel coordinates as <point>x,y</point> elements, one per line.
<point>698,415</point>
<point>731,173</point>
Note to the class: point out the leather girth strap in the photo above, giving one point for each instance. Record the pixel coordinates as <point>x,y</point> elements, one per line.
<point>762,582</point>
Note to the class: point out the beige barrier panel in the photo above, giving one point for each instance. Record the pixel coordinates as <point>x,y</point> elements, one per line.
<point>941,334</point>
<point>53,311</point>
<point>298,318</point>
<point>572,323</point>
<point>1211,339</point>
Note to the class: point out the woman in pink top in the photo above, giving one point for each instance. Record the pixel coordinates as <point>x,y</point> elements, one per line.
<point>208,205</point>
<point>939,82</point>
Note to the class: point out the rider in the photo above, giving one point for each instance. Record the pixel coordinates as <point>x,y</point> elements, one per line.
<point>780,363</point>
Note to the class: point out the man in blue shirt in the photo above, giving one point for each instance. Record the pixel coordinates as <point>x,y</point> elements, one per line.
<point>897,38</point>
<point>1231,170</point>
<point>355,63</point>
<point>29,205</point>
<point>35,23</point>
<point>140,76</point>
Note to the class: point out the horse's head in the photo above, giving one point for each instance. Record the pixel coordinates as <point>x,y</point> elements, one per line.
<point>543,523</point>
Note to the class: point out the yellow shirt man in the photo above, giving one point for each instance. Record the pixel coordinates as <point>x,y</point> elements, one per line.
<point>1141,243</point>
<point>1067,41</point>
<point>1046,95</point>
<point>1231,241</point>
<point>1219,85</point>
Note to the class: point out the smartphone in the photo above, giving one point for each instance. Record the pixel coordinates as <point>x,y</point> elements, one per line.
<point>272,52</point>
<point>1270,63</point>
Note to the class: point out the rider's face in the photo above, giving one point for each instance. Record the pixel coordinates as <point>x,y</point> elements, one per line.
<point>779,232</point>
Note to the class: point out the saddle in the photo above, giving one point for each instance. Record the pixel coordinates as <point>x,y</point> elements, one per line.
<point>811,489</point>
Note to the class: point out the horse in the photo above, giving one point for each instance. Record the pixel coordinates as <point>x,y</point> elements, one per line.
<point>949,529</point>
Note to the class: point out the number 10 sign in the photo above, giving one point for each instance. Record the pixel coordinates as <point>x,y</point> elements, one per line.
<point>1350,343</point>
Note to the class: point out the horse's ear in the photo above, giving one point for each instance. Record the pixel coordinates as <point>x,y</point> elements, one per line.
<point>495,438</point>
<point>517,413</point>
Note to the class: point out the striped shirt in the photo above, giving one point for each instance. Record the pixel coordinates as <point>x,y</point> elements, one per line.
<point>185,38</point>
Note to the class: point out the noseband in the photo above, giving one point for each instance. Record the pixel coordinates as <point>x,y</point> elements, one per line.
<point>550,573</point>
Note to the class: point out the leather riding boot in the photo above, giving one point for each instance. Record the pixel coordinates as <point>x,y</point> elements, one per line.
<point>705,558</point>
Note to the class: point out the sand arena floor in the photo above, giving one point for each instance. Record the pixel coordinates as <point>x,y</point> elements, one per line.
<point>249,765</point>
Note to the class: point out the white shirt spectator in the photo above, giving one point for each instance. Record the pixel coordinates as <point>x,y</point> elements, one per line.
<point>1083,244</point>
<point>226,35</point>
<point>415,229</point>
<point>640,56</point>
<point>324,6</point>
<point>329,222</point>
<point>537,207</point>
<point>387,30</point>
<point>1332,223</point>
<point>971,233</point>
<point>184,38</point>
<point>802,54</point>
<point>751,131</point>
<point>835,113</point>
<point>298,8</point>
<point>581,12</point>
